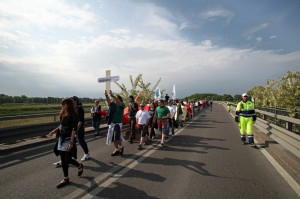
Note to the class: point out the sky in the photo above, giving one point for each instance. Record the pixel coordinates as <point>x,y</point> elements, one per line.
<point>59,48</point>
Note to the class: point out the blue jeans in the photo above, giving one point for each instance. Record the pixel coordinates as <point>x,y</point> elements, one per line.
<point>163,126</point>
<point>171,126</point>
<point>96,125</point>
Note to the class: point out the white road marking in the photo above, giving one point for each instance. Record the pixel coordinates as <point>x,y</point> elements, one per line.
<point>113,177</point>
<point>36,155</point>
<point>294,185</point>
<point>9,163</point>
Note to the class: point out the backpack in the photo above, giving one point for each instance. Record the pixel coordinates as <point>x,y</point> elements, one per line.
<point>110,112</point>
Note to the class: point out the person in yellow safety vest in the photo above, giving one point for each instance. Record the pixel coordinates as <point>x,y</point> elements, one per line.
<point>228,106</point>
<point>245,116</point>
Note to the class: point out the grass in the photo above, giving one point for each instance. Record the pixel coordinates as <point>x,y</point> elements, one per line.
<point>17,109</point>
<point>27,109</point>
<point>36,120</point>
<point>23,108</point>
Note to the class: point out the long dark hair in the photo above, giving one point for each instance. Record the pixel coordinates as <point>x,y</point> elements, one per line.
<point>70,108</point>
<point>120,98</point>
<point>154,105</point>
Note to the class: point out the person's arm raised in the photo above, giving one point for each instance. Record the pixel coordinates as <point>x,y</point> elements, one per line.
<point>106,96</point>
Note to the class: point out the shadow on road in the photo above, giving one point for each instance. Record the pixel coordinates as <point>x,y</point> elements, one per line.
<point>120,190</point>
<point>190,141</point>
<point>187,164</point>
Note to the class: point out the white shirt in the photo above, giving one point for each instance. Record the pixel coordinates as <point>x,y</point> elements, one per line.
<point>174,106</point>
<point>142,116</point>
<point>172,111</point>
<point>94,109</point>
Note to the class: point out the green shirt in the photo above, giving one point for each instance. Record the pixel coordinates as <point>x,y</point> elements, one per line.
<point>161,112</point>
<point>118,116</point>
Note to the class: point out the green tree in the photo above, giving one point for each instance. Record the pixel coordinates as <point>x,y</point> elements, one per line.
<point>227,97</point>
<point>237,98</point>
<point>284,92</point>
<point>138,86</point>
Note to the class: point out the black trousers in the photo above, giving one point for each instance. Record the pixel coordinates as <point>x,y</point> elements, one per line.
<point>66,159</point>
<point>132,123</point>
<point>80,136</point>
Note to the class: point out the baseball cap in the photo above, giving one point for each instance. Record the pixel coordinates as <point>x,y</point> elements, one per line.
<point>244,95</point>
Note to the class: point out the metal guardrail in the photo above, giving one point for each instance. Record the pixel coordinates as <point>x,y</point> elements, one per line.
<point>12,134</point>
<point>36,115</point>
<point>267,123</point>
<point>281,111</point>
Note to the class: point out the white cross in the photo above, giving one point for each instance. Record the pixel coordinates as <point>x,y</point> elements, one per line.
<point>108,83</point>
<point>108,79</point>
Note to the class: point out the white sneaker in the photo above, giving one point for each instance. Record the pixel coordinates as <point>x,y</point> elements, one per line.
<point>57,164</point>
<point>85,157</point>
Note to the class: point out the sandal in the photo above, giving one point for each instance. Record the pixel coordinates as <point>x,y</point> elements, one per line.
<point>80,170</point>
<point>63,183</point>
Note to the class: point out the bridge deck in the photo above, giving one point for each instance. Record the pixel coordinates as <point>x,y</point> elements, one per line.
<point>204,159</point>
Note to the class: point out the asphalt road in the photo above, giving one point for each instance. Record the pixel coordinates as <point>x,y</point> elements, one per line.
<point>205,159</point>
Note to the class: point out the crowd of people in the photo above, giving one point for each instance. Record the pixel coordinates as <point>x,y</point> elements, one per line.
<point>147,120</point>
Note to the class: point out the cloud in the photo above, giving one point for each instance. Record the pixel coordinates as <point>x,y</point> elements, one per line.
<point>273,37</point>
<point>176,61</point>
<point>258,40</point>
<point>218,12</point>
<point>156,20</point>
<point>60,64</point>
<point>256,29</point>
<point>184,26</point>
<point>120,31</point>
<point>43,14</point>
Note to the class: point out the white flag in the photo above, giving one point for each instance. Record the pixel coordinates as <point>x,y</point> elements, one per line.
<point>157,94</point>
<point>174,93</point>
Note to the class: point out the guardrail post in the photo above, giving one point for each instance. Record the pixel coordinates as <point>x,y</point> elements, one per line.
<point>289,126</point>
<point>275,115</point>
<point>264,117</point>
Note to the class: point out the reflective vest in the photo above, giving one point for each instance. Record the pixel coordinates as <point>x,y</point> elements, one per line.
<point>245,109</point>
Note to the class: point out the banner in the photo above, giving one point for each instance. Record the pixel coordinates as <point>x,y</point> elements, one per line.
<point>157,94</point>
<point>109,79</point>
<point>174,93</point>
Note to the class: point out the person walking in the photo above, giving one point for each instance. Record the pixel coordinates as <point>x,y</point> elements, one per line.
<point>184,111</point>
<point>170,120</point>
<point>178,114</point>
<point>152,123</point>
<point>245,116</point>
<point>96,117</point>
<point>132,110</point>
<point>228,106</point>
<point>167,97</point>
<point>142,120</point>
<point>66,138</point>
<point>80,128</point>
<point>162,114</point>
<point>210,104</point>
<point>115,123</point>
